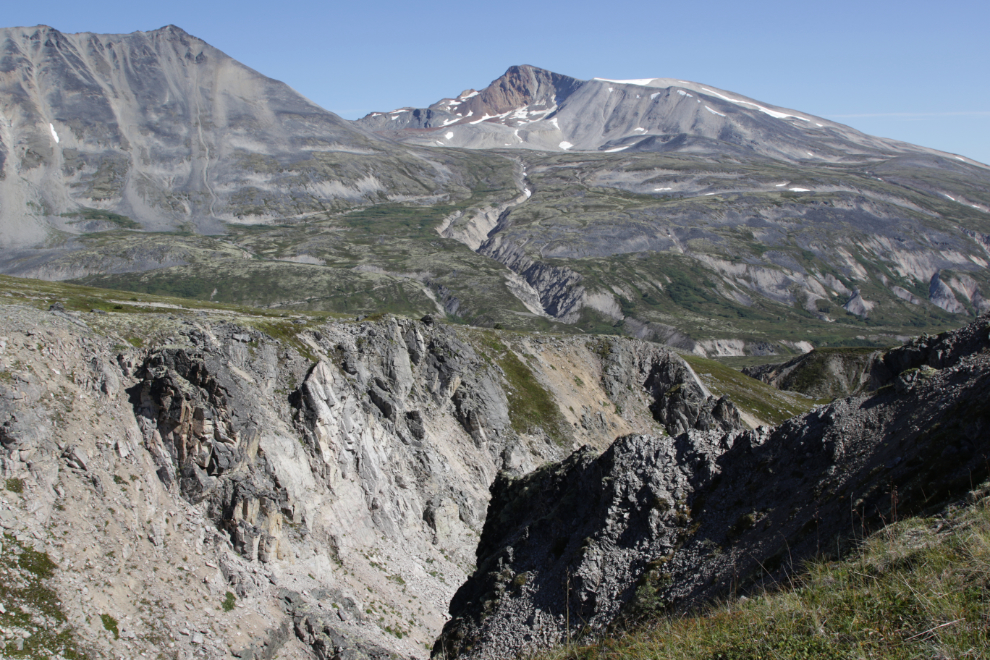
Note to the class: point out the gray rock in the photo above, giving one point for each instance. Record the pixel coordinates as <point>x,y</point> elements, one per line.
<point>666,524</point>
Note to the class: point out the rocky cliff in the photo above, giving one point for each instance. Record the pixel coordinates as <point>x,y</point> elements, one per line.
<point>659,524</point>
<point>326,481</point>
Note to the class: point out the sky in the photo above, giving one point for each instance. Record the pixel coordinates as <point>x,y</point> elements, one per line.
<point>909,70</point>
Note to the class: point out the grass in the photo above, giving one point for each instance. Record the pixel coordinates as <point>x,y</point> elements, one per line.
<point>531,406</point>
<point>919,588</point>
<point>764,402</point>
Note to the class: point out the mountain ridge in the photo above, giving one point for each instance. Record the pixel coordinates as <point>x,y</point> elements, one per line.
<point>526,95</point>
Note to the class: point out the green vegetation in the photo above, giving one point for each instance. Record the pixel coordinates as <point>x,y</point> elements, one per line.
<point>110,623</point>
<point>531,406</point>
<point>97,215</point>
<point>15,485</point>
<point>229,601</point>
<point>32,606</point>
<point>916,589</point>
<point>751,396</point>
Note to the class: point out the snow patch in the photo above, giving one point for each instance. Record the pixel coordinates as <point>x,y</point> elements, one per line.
<point>799,189</point>
<point>683,93</point>
<point>661,189</point>
<point>642,82</point>
<point>714,112</point>
<point>467,96</point>
<point>768,111</point>
<point>54,134</point>
<point>781,185</point>
<point>449,134</point>
<point>639,129</point>
<point>950,197</point>
<point>566,145</point>
<point>654,95</point>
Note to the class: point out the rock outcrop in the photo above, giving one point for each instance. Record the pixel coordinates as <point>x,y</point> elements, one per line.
<point>328,481</point>
<point>840,372</point>
<point>658,524</point>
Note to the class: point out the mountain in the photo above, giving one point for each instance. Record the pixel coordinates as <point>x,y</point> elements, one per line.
<point>161,131</point>
<point>658,205</point>
<point>679,213</point>
<point>531,108</point>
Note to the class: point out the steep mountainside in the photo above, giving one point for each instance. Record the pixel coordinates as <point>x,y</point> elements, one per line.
<point>332,476</point>
<point>658,523</point>
<point>159,130</point>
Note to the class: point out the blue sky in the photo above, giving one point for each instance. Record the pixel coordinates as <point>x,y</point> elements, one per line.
<point>909,70</point>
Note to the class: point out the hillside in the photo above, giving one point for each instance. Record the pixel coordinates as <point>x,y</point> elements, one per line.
<point>212,475</point>
<point>669,524</point>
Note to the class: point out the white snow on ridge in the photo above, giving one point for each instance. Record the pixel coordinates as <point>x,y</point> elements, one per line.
<point>950,197</point>
<point>799,189</point>
<point>781,185</point>
<point>683,93</point>
<point>478,121</point>
<point>566,145</point>
<point>772,113</point>
<point>467,96</point>
<point>714,112</point>
<point>661,189</point>
<point>642,82</point>
<point>54,134</point>
<point>639,129</point>
<point>654,95</point>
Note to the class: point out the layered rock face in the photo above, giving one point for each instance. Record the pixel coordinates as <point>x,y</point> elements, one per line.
<point>659,524</point>
<point>334,481</point>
